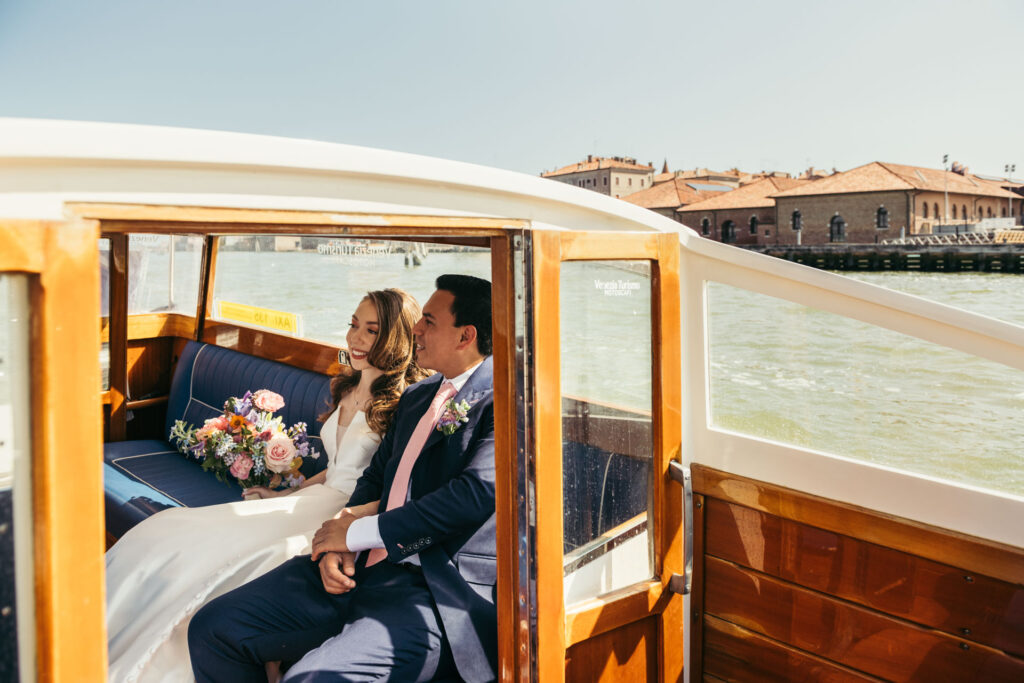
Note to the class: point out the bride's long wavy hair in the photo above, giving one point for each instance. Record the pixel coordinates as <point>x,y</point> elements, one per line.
<point>392,353</point>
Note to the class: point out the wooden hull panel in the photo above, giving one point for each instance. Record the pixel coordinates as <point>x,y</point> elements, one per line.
<point>781,597</point>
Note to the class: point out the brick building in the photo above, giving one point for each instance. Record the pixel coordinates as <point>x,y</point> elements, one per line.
<point>743,216</point>
<point>668,196</point>
<point>880,201</point>
<point>731,178</point>
<point>614,176</point>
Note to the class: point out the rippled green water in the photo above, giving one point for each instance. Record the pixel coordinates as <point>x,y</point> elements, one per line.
<point>800,376</point>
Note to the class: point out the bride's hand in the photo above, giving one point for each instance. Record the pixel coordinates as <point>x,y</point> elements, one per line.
<point>262,492</point>
<point>357,511</point>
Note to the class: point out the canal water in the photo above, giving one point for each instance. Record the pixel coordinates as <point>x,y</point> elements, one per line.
<point>800,376</point>
<point>778,371</point>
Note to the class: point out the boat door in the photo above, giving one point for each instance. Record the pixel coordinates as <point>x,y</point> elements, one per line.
<point>51,516</point>
<point>599,532</point>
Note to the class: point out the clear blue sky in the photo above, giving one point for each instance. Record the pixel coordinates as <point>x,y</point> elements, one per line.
<point>531,85</point>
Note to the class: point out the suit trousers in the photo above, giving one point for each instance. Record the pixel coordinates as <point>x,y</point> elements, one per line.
<point>387,627</point>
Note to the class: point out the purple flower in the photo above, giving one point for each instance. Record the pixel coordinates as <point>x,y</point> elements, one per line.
<point>453,416</point>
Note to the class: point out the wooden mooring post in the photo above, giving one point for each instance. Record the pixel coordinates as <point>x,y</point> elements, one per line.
<point>989,258</point>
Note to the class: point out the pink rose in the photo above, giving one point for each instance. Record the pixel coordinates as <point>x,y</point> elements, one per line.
<point>240,467</point>
<point>280,453</point>
<point>212,426</point>
<point>267,400</point>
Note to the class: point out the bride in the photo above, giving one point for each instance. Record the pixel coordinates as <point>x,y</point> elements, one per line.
<point>167,567</point>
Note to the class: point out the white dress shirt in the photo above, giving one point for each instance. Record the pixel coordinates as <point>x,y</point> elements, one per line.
<point>364,533</point>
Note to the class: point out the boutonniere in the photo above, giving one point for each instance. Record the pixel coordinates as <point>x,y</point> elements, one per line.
<point>452,417</point>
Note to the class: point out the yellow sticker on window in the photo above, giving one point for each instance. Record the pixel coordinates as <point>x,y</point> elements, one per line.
<point>263,317</point>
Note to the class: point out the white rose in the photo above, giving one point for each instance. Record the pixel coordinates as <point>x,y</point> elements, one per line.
<point>280,453</point>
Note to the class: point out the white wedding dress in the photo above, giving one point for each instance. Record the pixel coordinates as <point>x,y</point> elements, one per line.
<point>167,567</point>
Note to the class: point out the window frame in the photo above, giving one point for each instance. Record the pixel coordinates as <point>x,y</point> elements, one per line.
<point>837,230</point>
<point>557,629</point>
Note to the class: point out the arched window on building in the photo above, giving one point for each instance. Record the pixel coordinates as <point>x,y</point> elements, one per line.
<point>963,212</point>
<point>882,218</point>
<point>753,225</point>
<point>705,226</point>
<point>837,229</point>
<point>1004,212</point>
<point>729,232</point>
<point>935,206</point>
<point>989,211</point>
<point>954,212</point>
<point>926,209</point>
<point>798,221</point>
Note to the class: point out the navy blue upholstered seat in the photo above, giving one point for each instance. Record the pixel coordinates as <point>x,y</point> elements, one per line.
<point>145,476</point>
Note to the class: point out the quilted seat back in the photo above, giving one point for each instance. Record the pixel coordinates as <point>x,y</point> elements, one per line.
<point>208,375</point>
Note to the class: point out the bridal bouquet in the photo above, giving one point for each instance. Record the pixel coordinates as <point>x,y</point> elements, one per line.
<point>248,442</point>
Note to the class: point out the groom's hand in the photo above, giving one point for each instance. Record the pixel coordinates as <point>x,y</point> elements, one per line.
<point>336,570</point>
<point>332,535</point>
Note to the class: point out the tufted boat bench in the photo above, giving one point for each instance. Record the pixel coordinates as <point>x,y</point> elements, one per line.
<point>145,476</point>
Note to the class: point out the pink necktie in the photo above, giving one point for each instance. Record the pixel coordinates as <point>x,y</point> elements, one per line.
<point>400,485</point>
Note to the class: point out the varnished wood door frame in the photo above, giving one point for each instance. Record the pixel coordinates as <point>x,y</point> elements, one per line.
<point>504,238</point>
<point>67,480</point>
<point>556,628</point>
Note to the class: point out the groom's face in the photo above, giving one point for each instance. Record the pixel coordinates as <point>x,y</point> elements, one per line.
<point>438,339</point>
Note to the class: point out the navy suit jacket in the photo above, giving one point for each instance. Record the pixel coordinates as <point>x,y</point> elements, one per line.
<point>449,517</point>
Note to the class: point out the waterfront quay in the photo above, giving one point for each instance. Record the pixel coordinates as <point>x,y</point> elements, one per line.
<point>988,258</point>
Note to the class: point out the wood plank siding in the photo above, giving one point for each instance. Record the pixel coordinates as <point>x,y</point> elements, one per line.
<point>783,598</point>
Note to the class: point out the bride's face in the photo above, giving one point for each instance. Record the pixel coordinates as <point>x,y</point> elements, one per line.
<point>362,334</point>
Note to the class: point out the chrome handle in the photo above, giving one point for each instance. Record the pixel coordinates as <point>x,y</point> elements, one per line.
<point>682,583</point>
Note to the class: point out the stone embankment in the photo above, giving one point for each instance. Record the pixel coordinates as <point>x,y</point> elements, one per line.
<point>995,258</point>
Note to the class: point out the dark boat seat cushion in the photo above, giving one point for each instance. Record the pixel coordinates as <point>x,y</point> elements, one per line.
<point>145,476</point>
<point>601,490</point>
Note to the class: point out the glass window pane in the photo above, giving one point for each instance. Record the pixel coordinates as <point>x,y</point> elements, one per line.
<point>996,295</point>
<point>607,440</point>
<point>309,286</point>
<point>104,246</point>
<point>797,375</point>
<point>164,273</point>
<point>16,572</point>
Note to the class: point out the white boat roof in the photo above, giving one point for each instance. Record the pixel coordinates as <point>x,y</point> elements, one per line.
<point>47,163</point>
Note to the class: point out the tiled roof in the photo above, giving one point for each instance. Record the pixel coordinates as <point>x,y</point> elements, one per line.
<point>879,177</point>
<point>750,196</point>
<point>668,195</point>
<point>598,163</point>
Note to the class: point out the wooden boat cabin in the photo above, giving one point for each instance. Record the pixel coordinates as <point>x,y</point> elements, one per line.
<point>705,469</point>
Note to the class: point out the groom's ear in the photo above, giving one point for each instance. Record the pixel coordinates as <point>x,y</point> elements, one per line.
<point>467,338</point>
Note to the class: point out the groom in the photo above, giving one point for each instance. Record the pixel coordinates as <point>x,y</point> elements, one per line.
<point>419,603</point>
